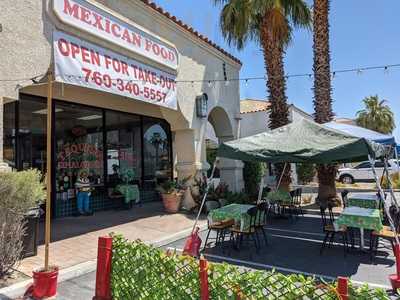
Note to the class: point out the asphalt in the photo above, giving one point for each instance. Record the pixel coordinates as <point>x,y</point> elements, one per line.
<point>293,247</point>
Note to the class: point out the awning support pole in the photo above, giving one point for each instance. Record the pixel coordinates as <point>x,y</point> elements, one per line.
<point>393,196</point>
<point>280,179</point>
<point>48,169</point>
<point>382,195</point>
<point>261,188</point>
<point>205,193</point>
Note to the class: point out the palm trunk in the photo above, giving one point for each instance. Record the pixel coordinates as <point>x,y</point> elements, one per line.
<point>322,93</point>
<point>276,85</point>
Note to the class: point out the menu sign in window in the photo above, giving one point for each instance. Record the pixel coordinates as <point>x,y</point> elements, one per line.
<point>82,63</point>
<point>90,18</point>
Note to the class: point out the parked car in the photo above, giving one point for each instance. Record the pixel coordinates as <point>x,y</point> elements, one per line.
<point>363,172</point>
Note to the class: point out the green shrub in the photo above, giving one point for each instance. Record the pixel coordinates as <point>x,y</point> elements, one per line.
<point>19,192</point>
<point>394,178</point>
<point>252,173</point>
<point>140,271</point>
<point>305,172</point>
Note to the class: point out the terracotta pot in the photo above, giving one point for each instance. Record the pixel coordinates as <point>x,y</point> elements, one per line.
<point>172,202</point>
<point>44,283</point>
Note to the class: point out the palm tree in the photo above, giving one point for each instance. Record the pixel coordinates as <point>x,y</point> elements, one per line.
<point>269,23</point>
<point>376,115</point>
<point>322,92</point>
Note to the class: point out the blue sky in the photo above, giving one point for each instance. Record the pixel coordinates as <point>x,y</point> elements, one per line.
<point>363,33</point>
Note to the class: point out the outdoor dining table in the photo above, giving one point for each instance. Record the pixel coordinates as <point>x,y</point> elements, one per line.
<point>363,200</point>
<point>362,218</point>
<point>237,212</point>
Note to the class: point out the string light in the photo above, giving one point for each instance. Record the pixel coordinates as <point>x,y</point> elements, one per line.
<point>334,74</point>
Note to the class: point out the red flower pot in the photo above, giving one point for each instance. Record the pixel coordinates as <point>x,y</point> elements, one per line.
<point>172,202</point>
<point>44,283</point>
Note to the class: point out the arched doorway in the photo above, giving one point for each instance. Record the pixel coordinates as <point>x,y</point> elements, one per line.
<point>220,129</point>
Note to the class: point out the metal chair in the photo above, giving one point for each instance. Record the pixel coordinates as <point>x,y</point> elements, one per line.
<point>221,229</point>
<point>262,219</point>
<point>386,233</point>
<point>330,230</point>
<point>250,232</point>
<point>297,202</point>
<point>344,194</point>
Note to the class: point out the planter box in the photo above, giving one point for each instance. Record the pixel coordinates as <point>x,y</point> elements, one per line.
<point>30,240</point>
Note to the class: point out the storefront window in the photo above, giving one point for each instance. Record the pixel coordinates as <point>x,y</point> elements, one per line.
<point>9,133</point>
<point>31,146</point>
<point>79,147</point>
<point>124,151</point>
<point>156,150</point>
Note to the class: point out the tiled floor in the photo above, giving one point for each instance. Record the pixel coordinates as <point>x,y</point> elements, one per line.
<point>74,239</point>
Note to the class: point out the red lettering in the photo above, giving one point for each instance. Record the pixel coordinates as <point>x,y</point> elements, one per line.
<point>63,46</point>
<point>156,49</point>
<point>71,10</point>
<point>124,68</point>
<point>97,21</point>
<point>154,78</point>
<point>74,50</point>
<point>114,28</point>
<point>116,65</point>
<point>85,15</point>
<point>164,53</point>
<point>126,36</point>
<point>85,54</point>
<point>136,39</point>
<point>148,45</point>
<point>107,61</point>
<point>171,55</point>
<point>95,57</point>
<point>135,70</point>
<point>108,26</point>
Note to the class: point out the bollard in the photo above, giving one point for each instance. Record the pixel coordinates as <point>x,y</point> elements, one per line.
<point>103,272</point>
<point>343,288</point>
<point>204,292</point>
<point>395,278</point>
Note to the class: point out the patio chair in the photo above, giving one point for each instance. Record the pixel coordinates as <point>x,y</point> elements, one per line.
<point>385,234</point>
<point>221,229</point>
<point>250,233</point>
<point>288,206</point>
<point>297,202</point>
<point>344,194</point>
<point>262,219</point>
<point>330,230</point>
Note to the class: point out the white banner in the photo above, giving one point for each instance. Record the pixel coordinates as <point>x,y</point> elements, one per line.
<point>89,18</point>
<point>85,64</point>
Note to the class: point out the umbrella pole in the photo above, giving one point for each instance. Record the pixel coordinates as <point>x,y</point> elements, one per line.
<point>48,167</point>
<point>382,195</point>
<point>396,155</point>
<point>280,179</point>
<point>261,188</point>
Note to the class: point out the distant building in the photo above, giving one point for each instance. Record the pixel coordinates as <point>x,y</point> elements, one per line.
<point>255,116</point>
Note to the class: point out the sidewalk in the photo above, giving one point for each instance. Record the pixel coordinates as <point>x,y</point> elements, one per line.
<point>74,239</point>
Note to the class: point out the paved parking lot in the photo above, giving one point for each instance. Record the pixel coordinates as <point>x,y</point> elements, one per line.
<point>294,248</point>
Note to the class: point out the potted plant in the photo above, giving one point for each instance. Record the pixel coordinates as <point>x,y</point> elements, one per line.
<point>171,195</point>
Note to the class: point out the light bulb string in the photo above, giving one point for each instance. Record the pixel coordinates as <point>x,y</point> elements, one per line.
<point>358,71</point>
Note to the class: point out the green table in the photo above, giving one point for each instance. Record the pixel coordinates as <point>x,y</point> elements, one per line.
<point>363,218</point>
<point>130,192</point>
<point>238,212</point>
<point>279,197</point>
<point>363,200</point>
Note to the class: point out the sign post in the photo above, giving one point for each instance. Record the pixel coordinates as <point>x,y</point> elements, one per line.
<point>48,167</point>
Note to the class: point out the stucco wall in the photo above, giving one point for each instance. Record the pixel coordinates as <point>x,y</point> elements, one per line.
<point>26,40</point>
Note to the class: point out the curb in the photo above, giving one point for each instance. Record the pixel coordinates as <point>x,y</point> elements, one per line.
<point>19,288</point>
